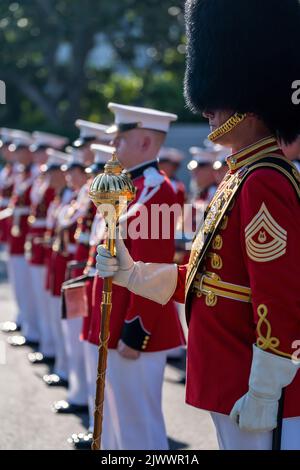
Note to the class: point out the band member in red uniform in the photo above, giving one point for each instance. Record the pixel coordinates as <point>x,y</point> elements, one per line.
<point>141,332</point>
<point>102,153</point>
<point>42,194</point>
<point>243,320</point>
<point>63,195</point>
<point>80,216</point>
<point>63,250</point>
<point>18,230</point>
<point>7,179</point>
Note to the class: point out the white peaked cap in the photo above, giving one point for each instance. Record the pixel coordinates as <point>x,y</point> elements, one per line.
<point>77,156</point>
<point>49,140</point>
<point>201,156</point>
<point>56,158</point>
<point>91,131</point>
<point>132,117</point>
<point>20,138</point>
<point>208,144</point>
<point>102,153</point>
<point>6,135</point>
<point>170,154</point>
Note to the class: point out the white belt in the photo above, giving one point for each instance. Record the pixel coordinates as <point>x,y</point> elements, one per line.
<point>4,202</point>
<point>39,223</point>
<point>19,211</point>
<point>72,248</point>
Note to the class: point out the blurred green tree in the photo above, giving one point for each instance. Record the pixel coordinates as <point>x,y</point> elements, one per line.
<point>62,59</point>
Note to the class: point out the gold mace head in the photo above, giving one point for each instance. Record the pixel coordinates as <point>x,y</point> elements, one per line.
<point>112,188</point>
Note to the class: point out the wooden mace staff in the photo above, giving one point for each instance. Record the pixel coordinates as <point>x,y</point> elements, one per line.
<point>111,192</point>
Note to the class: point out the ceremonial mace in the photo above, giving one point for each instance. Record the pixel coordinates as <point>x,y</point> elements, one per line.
<point>111,192</point>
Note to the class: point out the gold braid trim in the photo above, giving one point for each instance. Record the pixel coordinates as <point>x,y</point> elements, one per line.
<point>227,127</point>
<point>268,342</point>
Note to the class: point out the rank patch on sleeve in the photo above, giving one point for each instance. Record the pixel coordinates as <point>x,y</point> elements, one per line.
<point>265,239</point>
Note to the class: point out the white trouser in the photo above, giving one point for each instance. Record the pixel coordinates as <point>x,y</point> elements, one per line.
<point>61,363</point>
<point>230,437</point>
<point>91,364</point>
<point>19,317</point>
<point>133,418</point>
<point>22,288</point>
<point>46,345</point>
<point>77,390</point>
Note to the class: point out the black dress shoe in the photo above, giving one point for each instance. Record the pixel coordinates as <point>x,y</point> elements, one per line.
<point>39,358</point>
<point>64,407</point>
<point>81,441</point>
<point>19,341</point>
<point>9,327</point>
<point>53,380</point>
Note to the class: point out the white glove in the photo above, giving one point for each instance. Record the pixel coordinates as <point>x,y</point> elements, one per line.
<point>257,410</point>
<point>154,281</point>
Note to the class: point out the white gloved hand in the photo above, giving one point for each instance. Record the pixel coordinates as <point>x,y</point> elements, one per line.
<point>119,267</point>
<point>154,281</point>
<point>257,410</point>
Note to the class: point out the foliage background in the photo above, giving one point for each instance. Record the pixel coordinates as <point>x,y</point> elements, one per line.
<point>64,59</point>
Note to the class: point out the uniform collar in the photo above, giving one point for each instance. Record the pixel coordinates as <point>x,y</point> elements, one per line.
<point>138,171</point>
<point>254,152</point>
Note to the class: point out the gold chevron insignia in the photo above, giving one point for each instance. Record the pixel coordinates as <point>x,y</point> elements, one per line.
<point>265,239</point>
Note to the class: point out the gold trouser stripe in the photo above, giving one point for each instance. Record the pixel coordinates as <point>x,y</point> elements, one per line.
<point>222,289</point>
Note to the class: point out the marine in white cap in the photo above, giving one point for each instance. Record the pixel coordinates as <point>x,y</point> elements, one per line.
<point>7,179</point>
<point>139,343</point>
<point>82,213</point>
<point>60,236</point>
<point>94,233</point>
<point>19,227</point>
<point>43,194</point>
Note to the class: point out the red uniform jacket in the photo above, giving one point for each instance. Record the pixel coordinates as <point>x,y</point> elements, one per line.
<point>140,323</point>
<point>18,223</point>
<point>257,247</point>
<point>6,191</point>
<point>36,249</point>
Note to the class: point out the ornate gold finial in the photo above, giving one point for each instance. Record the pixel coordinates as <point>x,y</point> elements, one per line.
<point>113,186</point>
<point>110,191</point>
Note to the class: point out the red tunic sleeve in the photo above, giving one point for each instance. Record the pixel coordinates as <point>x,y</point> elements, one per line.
<point>270,234</point>
<point>179,294</point>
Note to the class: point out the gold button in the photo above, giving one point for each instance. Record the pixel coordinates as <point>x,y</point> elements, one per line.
<point>216,261</point>
<point>211,299</point>
<point>217,243</point>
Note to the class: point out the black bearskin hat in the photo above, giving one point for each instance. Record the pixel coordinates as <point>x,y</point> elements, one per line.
<point>244,56</point>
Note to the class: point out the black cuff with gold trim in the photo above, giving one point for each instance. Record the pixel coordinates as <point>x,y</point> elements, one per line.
<point>134,335</point>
